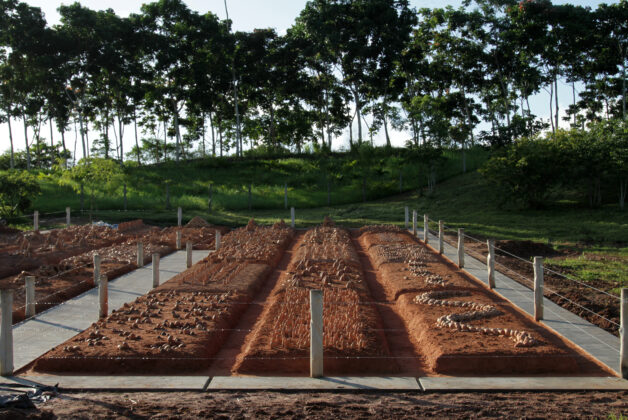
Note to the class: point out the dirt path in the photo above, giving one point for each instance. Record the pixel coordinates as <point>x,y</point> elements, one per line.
<point>238,340</point>
<point>411,361</point>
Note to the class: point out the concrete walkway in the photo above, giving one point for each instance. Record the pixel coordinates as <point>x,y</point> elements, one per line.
<point>35,336</point>
<point>595,341</point>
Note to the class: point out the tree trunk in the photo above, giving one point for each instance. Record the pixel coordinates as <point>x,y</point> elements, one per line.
<point>573,92</point>
<point>203,119</point>
<point>386,131</point>
<point>28,151</point>
<point>51,138</point>
<point>83,135</point>
<point>11,141</point>
<point>271,128</point>
<point>165,140</point>
<point>63,145</point>
<point>357,112</point>
<point>552,107</point>
<point>623,186</point>
<point>556,98</point>
<point>137,143</point>
<point>176,130</point>
<point>121,135</point>
<point>220,139</point>
<point>211,122</point>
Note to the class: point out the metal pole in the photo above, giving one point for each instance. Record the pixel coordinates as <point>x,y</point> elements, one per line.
<point>490,263</point>
<point>155,269</point>
<point>538,288</point>
<point>441,237</point>
<point>316,333</point>
<point>30,296</point>
<point>461,247</point>
<point>6,333</point>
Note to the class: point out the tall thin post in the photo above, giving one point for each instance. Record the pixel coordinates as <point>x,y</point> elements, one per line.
<point>188,254</point>
<point>461,247</point>
<point>490,263</point>
<point>178,241</point>
<point>6,333</point>
<point>179,216</point>
<point>316,333</point>
<point>30,296</point>
<point>285,195</point>
<point>67,216</point>
<point>623,334</point>
<point>406,218</point>
<point>426,228</point>
<point>414,214</point>
<point>218,239</point>
<point>155,269</point>
<point>441,237</point>
<point>96,269</point>
<point>140,254</point>
<point>292,216</point>
<point>36,221</point>
<point>538,288</point>
<point>103,297</point>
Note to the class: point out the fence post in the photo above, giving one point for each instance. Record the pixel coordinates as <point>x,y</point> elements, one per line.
<point>124,190</point>
<point>538,288</point>
<point>6,333</point>
<point>490,263</point>
<point>178,241</point>
<point>103,297</point>
<point>406,218</point>
<point>155,269</point>
<point>413,222</point>
<point>30,296</point>
<point>67,216</point>
<point>96,269</point>
<point>460,247</point>
<point>292,216</point>
<point>179,216</point>
<point>188,254</point>
<point>426,228</point>
<point>316,333</point>
<point>36,221</point>
<point>217,239</point>
<point>441,237</point>
<point>285,195</point>
<point>623,334</point>
<point>140,254</point>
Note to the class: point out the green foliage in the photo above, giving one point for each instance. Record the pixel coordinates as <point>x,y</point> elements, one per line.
<point>17,190</point>
<point>105,175</point>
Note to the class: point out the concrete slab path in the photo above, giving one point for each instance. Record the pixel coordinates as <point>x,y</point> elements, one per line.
<point>295,383</point>
<point>35,336</point>
<point>524,384</point>
<point>600,344</point>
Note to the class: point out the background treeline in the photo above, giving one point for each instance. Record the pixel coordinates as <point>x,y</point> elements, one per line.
<point>175,78</point>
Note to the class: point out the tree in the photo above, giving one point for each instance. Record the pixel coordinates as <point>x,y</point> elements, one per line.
<point>17,189</point>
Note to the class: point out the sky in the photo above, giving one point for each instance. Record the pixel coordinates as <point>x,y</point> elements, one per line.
<point>246,16</point>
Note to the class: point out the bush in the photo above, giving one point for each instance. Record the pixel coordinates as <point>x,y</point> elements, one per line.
<point>17,189</point>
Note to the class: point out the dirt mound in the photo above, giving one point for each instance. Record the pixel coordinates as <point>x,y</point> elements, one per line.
<point>327,222</point>
<point>250,227</point>
<point>280,225</point>
<point>197,222</point>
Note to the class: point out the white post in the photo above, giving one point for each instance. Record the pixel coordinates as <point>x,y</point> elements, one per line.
<point>6,333</point>
<point>413,222</point>
<point>426,228</point>
<point>292,216</point>
<point>30,296</point>
<point>67,216</point>
<point>103,297</point>
<point>155,269</point>
<point>188,254</point>
<point>96,269</point>
<point>441,237</point>
<point>178,244</point>
<point>316,333</point>
<point>460,247</point>
<point>218,239</point>
<point>538,288</point>
<point>490,263</point>
<point>179,216</point>
<point>140,254</point>
<point>623,334</point>
<point>406,217</point>
<point>36,221</point>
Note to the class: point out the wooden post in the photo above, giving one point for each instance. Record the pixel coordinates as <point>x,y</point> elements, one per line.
<point>96,269</point>
<point>426,228</point>
<point>188,254</point>
<point>218,238</point>
<point>316,333</point>
<point>124,191</point>
<point>406,218</point>
<point>178,242</point>
<point>67,216</point>
<point>538,288</point>
<point>623,334</point>
<point>414,222</point>
<point>6,333</point>
<point>285,195</point>
<point>30,296</point>
<point>103,297</point>
<point>250,204</point>
<point>155,269</point>
<point>490,263</point>
<point>179,216</point>
<point>292,216</point>
<point>140,254</point>
<point>36,221</point>
<point>441,237</point>
<point>461,247</point>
